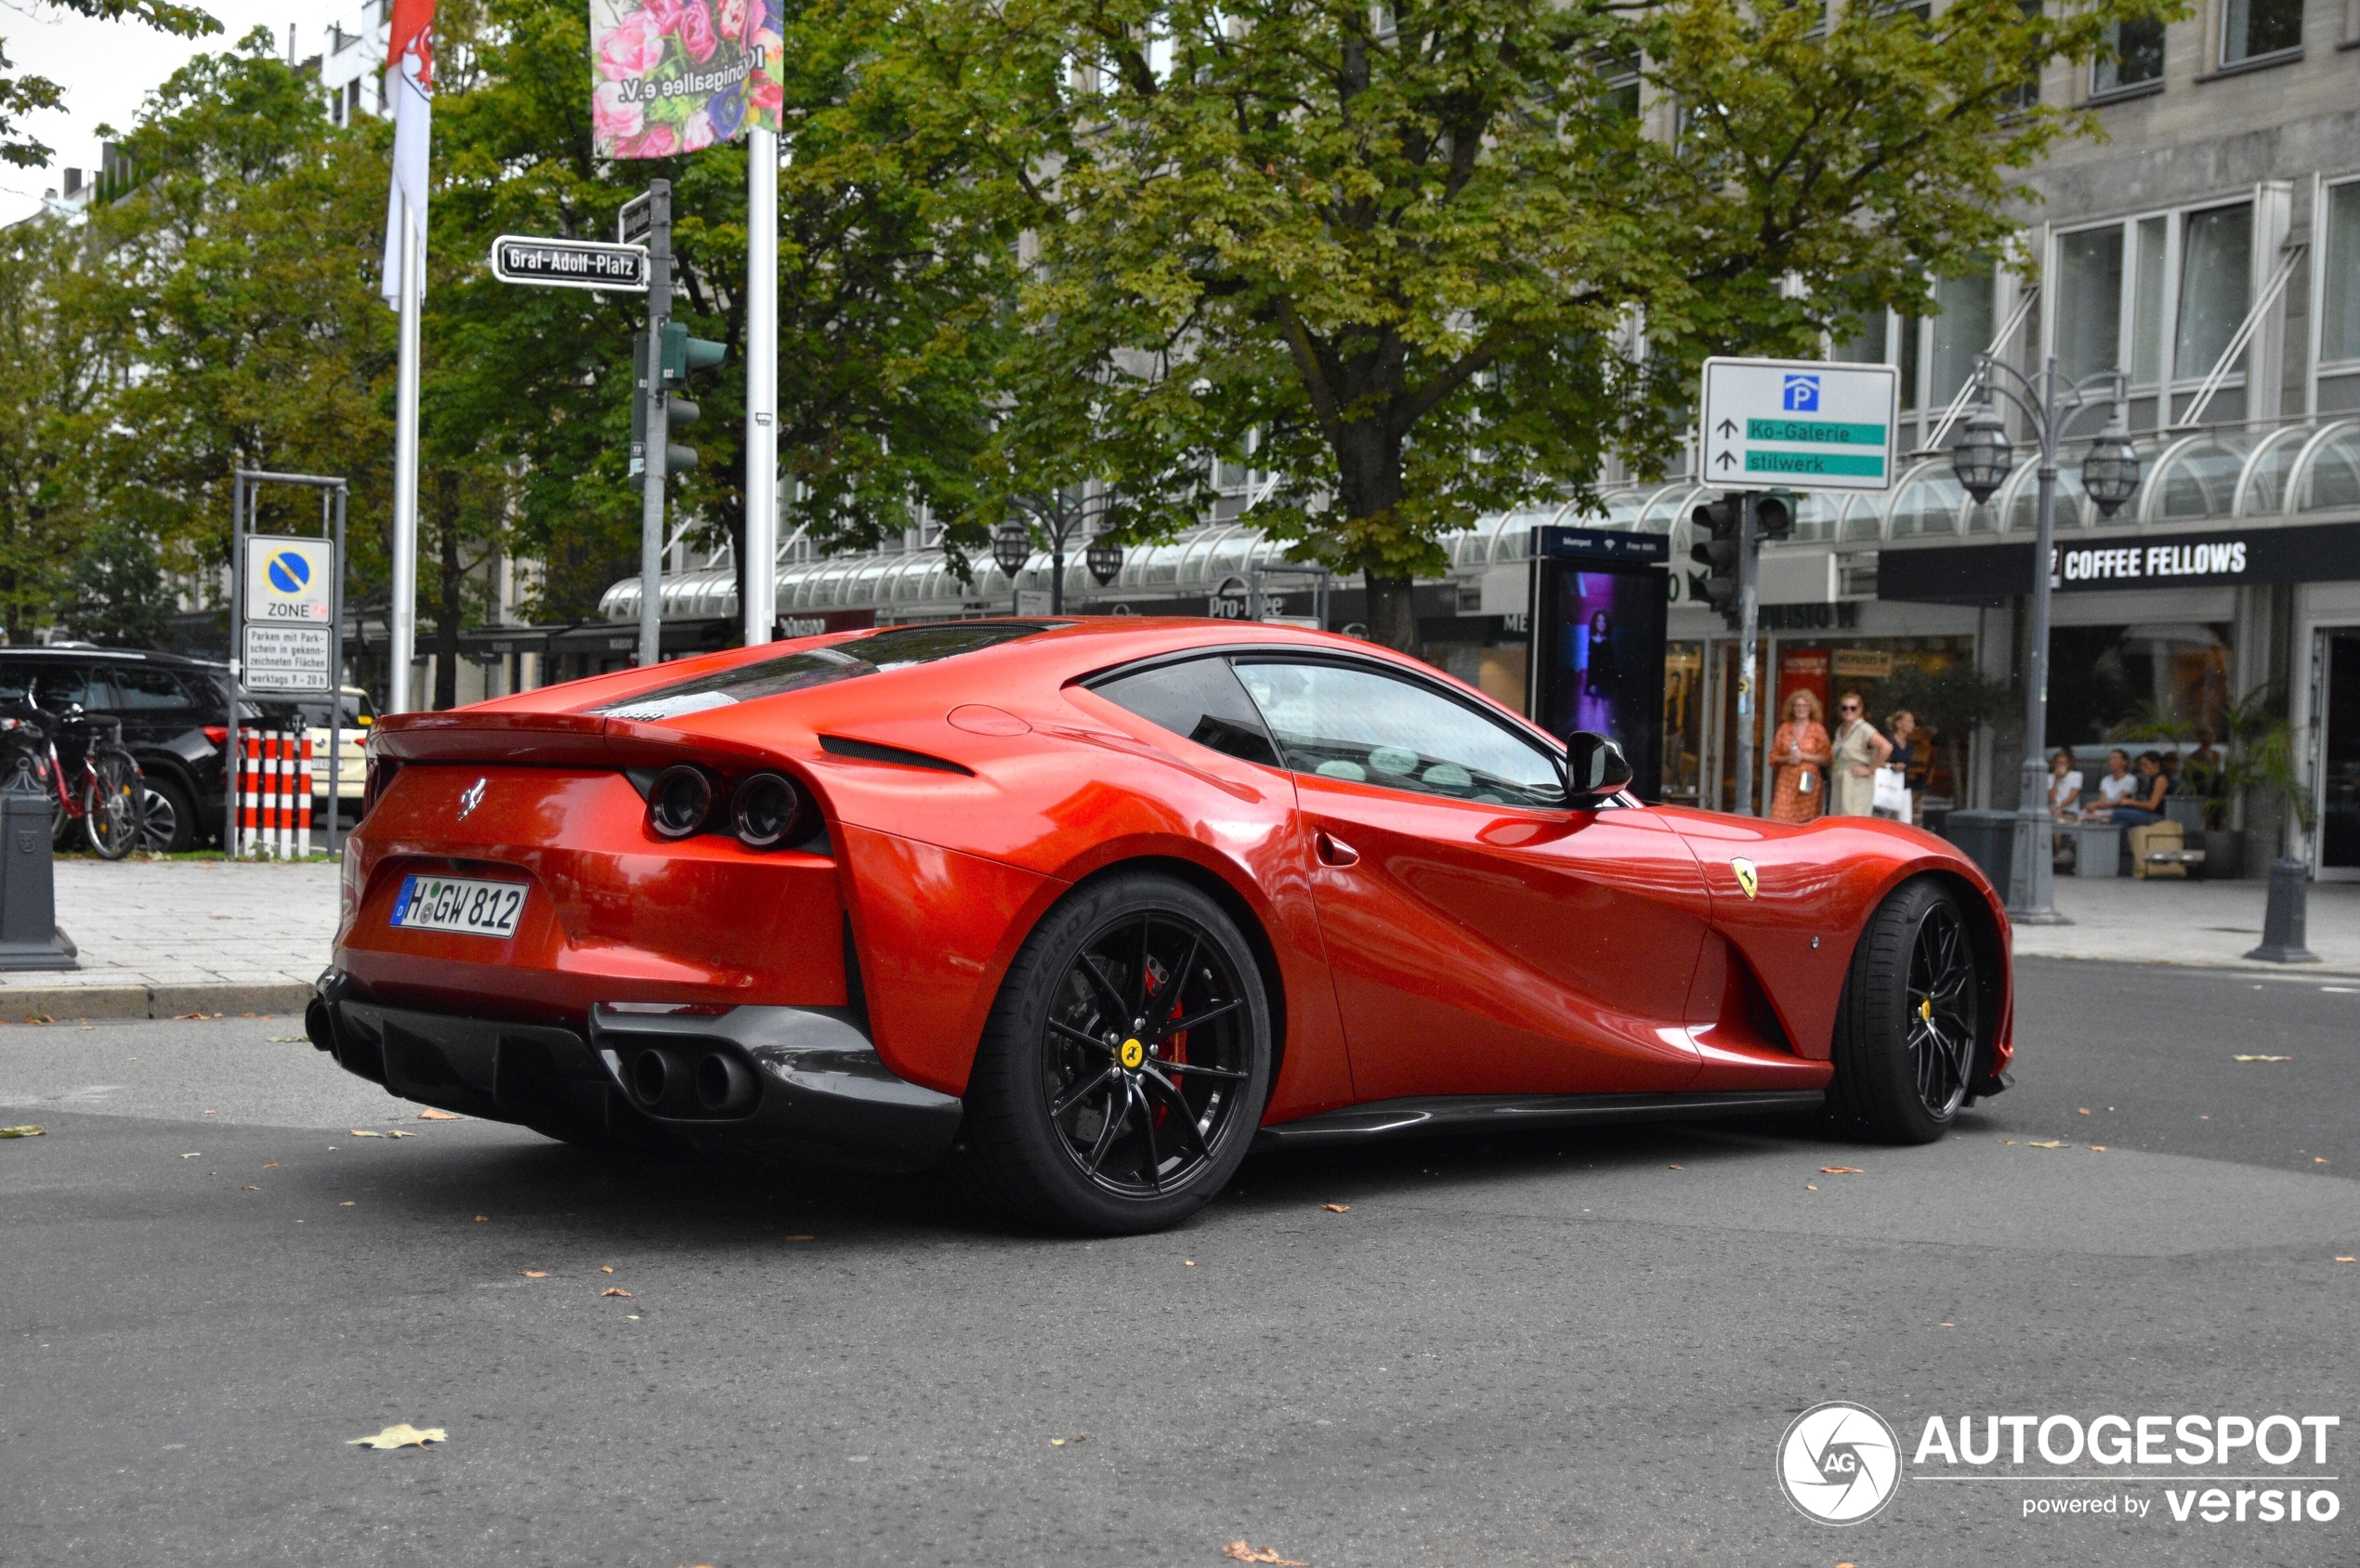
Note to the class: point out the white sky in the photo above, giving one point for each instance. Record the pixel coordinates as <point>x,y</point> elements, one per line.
<point>108,68</point>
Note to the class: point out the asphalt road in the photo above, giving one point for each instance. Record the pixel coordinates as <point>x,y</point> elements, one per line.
<point>1558,1349</point>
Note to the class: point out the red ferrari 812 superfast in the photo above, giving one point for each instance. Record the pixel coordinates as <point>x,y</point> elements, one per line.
<point>1094,907</point>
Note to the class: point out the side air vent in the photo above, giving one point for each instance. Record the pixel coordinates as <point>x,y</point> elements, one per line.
<point>870,750</point>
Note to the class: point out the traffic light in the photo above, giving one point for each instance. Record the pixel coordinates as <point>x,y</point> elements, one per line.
<point>1722,522</point>
<point>1774,514</point>
<point>682,354</point>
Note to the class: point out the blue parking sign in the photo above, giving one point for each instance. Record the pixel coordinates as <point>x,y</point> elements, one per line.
<point>1803,394</point>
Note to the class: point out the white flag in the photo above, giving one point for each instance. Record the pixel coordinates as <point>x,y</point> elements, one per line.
<point>413,125</point>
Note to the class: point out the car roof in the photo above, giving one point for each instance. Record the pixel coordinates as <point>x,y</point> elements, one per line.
<point>144,655</point>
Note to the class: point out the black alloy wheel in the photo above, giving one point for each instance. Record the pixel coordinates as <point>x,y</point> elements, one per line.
<point>1910,1026</point>
<point>169,820</point>
<point>1127,1063</point>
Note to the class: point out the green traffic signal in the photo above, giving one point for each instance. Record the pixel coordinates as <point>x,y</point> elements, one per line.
<point>684,356</point>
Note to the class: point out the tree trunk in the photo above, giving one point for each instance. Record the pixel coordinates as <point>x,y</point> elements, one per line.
<point>1392,615</point>
<point>448,582</point>
<point>1368,488</point>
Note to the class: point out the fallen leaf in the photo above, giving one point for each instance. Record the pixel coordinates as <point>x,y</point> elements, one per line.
<point>288,1040</point>
<point>272,1166</point>
<point>397,1133</point>
<point>250,1189</point>
<point>197,1155</point>
<point>2097,1148</point>
<point>28,1130</point>
<point>1675,1168</point>
<point>1949,1326</point>
<point>1056,1443</point>
<point>403,1436</point>
<point>2058,1144</point>
<point>534,1273</point>
<point>2258,1059</point>
<point>358,1133</point>
<point>204,1113</point>
<point>345,1204</point>
<point>41,1018</point>
<point>616,1290</point>
<point>176,1016</point>
<point>606,1268</point>
<point>798,1238</point>
<point>2007,1140</point>
<point>431,1115</point>
<point>2318,1159</point>
<point>1337,1207</point>
<point>1188,1264</point>
<point>1842,1171</point>
<point>2347,1259</point>
<point>2083,1111</point>
<point>1242,1552</point>
<point>482,1217</point>
<point>1809,1188</point>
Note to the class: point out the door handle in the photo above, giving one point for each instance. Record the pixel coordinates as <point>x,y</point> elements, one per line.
<point>1333,850</point>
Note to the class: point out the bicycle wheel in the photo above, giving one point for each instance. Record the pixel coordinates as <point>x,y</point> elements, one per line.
<point>114,803</point>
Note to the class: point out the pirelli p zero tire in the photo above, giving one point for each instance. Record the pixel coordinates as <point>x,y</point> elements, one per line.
<point>1124,1067</point>
<point>1911,1024</point>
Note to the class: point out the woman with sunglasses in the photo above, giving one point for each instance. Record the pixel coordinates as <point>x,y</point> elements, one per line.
<point>1860,751</point>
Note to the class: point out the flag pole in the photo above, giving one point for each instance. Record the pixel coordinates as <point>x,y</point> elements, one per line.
<point>403,618</point>
<point>761,565</point>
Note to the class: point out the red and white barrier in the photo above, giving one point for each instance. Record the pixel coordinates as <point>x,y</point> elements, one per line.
<point>274,795</point>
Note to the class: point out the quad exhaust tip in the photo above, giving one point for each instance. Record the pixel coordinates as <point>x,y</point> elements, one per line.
<point>714,1083</point>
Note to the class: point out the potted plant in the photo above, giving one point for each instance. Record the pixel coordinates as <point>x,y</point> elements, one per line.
<point>1949,699</point>
<point>2260,756</point>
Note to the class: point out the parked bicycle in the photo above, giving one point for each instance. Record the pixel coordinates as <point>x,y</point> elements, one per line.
<point>79,762</point>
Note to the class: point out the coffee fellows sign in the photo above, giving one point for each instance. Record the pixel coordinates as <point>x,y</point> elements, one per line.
<point>1987,574</point>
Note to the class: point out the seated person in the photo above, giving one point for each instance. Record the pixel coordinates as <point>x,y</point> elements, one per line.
<point>2064,786</point>
<point>2145,806</point>
<point>2116,785</point>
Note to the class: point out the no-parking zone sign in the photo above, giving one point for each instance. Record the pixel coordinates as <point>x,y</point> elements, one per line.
<point>289,634</point>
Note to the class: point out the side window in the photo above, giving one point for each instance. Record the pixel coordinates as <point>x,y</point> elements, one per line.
<point>144,688</point>
<point>1200,700</point>
<point>58,686</point>
<point>16,682</point>
<point>1346,723</point>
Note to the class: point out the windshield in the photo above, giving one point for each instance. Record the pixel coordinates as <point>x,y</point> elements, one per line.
<point>896,649</point>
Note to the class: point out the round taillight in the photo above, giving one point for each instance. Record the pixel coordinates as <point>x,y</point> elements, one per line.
<point>765,810</point>
<point>679,801</point>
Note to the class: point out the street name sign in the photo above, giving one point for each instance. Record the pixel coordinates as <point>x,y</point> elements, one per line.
<point>1799,424</point>
<point>569,264</point>
<point>290,637</point>
<point>636,220</point>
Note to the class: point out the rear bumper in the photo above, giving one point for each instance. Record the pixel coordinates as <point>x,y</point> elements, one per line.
<point>801,1082</point>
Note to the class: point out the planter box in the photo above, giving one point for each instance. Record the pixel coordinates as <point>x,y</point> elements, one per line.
<point>2225,853</point>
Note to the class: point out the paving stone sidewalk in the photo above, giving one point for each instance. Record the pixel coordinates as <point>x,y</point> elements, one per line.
<point>159,939</point>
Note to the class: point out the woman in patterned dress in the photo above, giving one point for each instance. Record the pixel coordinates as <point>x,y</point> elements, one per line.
<point>1800,753</point>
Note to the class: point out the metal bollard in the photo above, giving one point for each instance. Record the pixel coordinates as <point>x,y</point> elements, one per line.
<point>29,934</point>
<point>2282,927</point>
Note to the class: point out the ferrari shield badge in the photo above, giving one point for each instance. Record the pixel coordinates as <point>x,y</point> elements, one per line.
<point>1746,879</point>
<point>472,797</point>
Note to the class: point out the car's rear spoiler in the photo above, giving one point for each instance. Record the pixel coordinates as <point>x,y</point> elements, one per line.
<point>551,739</point>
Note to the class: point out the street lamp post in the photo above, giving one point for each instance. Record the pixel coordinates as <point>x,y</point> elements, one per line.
<point>2110,473</point>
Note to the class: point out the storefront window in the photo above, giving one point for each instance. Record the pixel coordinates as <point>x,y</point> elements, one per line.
<point>1879,669</point>
<point>2161,682</point>
<point>1683,723</point>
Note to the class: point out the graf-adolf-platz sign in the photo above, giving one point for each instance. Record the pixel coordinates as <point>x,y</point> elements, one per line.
<point>290,630</point>
<point>1799,424</point>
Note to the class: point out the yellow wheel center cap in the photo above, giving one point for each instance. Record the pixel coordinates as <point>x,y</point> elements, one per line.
<point>1926,1009</point>
<point>1133,1053</point>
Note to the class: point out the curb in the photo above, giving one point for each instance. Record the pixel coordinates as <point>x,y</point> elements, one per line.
<point>150,1002</point>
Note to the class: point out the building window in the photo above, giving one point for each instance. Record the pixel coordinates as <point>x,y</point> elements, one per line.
<point>2216,260</point>
<point>2089,301</point>
<point>2138,48</point>
<point>2339,301</point>
<point>1962,331</point>
<point>2250,29</point>
<point>1621,78</point>
<point>2146,311</point>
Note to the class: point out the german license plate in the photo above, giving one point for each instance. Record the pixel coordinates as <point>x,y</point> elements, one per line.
<point>461,904</point>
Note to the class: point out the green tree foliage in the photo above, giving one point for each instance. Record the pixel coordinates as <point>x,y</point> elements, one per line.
<point>57,372</point>
<point>1409,249</point>
<point>119,595</point>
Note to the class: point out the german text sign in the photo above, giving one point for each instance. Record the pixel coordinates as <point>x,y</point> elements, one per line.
<point>1799,424</point>
<point>287,657</point>
<point>569,264</point>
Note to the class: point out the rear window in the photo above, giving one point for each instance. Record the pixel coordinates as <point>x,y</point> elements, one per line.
<point>897,649</point>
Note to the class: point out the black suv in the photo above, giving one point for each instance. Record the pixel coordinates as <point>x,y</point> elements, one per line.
<point>175,713</point>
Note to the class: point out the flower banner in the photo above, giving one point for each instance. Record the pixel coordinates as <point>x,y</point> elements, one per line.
<point>669,76</point>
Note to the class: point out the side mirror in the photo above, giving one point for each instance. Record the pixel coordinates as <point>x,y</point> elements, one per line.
<point>1595,765</point>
